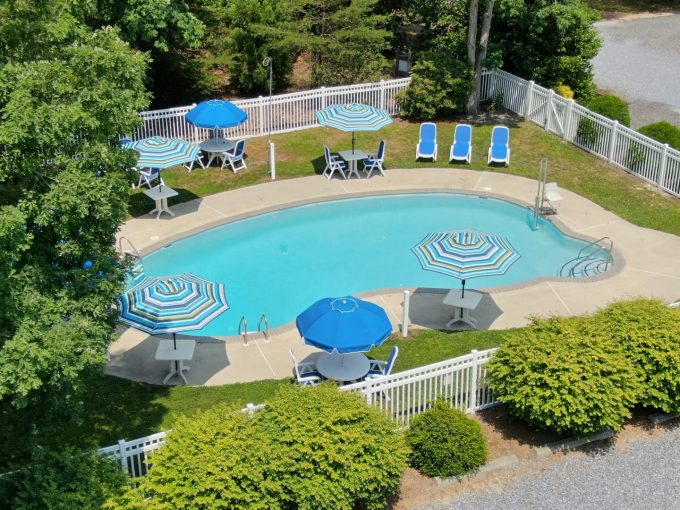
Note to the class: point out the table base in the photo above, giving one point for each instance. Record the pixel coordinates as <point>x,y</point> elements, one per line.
<point>177,368</point>
<point>462,315</point>
<point>162,207</point>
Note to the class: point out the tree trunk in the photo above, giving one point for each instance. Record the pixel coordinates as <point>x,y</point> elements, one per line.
<point>472,33</point>
<point>476,65</point>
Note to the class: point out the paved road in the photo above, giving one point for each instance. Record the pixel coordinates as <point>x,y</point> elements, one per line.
<point>643,476</point>
<point>640,60</point>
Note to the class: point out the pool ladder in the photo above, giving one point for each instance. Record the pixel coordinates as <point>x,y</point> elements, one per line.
<point>243,328</point>
<point>138,269</point>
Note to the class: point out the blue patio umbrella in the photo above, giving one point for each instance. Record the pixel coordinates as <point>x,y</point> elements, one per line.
<point>160,152</point>
<point>465,254</point>
<point>172,304</point>
<point>216,114</point>
<point>344,325</point>
<point>353,117</point>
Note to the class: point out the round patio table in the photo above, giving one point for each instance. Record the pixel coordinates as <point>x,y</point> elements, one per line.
<point>343,367</point>
<point>215,147</point>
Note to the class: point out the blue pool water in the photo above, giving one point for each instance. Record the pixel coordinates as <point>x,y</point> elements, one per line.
<point>280,263</point>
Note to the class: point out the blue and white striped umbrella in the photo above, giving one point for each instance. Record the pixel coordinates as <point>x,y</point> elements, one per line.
<point>353,117</point>
<point>465,254</point>
<point>172,304</point>
<point>160,152</point>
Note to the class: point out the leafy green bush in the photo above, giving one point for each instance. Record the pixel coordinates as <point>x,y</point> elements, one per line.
<point>444,442</point>
<point>565,375</point>
<point>439,86</point>
<point>663,132</point>
<point>65,480</point>
<point>611,106</point>
<point>649,332</point>
<point>310,448</point>
<point>564,90</point>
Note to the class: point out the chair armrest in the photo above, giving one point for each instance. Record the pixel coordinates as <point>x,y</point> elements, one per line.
<point>377,365</point>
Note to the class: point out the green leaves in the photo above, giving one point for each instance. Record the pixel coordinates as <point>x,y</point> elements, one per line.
<point>310,448</point>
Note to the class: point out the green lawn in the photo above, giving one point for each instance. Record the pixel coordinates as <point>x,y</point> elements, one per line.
<point>300,153</point>
<point>120,409</point>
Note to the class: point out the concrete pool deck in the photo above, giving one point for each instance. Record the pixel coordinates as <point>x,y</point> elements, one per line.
<point>647,264</point>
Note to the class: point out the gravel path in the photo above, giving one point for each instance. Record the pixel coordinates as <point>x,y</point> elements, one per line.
<point>640,60</point>
<point>644,475</point>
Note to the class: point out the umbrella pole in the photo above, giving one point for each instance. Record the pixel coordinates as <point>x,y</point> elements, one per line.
<point>353,140</point>
<point>174,340</point>
<point>462,294</point>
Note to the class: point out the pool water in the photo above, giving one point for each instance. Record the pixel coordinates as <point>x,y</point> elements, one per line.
<point>280,263</point>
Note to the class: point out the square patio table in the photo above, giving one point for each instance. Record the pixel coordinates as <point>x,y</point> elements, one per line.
<point>166,351</point>
<point>464,305</point>
<point>352,158</point>
<point>161,194</point>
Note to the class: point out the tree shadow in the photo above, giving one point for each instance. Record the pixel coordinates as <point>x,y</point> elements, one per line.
<point>139,204</point>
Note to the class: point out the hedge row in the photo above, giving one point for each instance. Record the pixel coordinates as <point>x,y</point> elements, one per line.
<point>581,375</point>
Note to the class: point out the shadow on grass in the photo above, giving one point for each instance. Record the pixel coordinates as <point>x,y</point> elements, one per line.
<point>139,204</point>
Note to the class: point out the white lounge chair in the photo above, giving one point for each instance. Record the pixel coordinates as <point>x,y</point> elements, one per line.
<point>375,161</point>
<point>333,164</point>
<point>427,144</point>
<point>235,157</point>
<point>305,373</point>
<point>499,151</point>
<point>461,148</point>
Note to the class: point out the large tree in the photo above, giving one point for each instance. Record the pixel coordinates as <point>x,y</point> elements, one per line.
<point>66,92</point>
<point>477,49</point>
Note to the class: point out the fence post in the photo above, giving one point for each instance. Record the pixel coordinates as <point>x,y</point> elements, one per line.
<point>528,96</point>
<point>567,120</point>
<point>662,166</point>
<point>121,452</point>
<point>382,94</point>
<point>404,320</point>
<point>260,114</point>
<point>323,98</point>
<point>474,375</point>
<point>548,109</point>
<point>612,141</point>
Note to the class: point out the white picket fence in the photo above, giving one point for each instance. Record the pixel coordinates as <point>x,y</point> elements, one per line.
<point>648,159</point>
<point>461,381</point>
<point>289,112</point>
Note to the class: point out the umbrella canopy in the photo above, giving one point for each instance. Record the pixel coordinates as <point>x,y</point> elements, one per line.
<point>344,325</point>
<point>172,304</point>
<point>465,254</point>
<point>216,114</point>
<point>159,152</point>
<point>353,117</point>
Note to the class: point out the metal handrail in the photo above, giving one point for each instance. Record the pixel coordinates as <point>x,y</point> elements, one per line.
<point>590,256</point>
<point>134,252</point>
<point>243,329</point>
<point>263,317</point>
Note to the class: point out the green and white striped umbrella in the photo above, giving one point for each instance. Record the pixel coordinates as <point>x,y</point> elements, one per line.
<point>353,117</point>
<point>160,152</point>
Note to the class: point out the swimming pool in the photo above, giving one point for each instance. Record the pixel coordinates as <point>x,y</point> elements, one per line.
<point>281,262</point>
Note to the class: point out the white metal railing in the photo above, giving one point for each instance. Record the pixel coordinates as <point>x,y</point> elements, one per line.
<point>290,112</point>
<point>461,381</point>
<point>655,162</point>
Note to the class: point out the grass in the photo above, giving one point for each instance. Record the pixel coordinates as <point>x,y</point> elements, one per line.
<point>300,154</point>
<point>120,409</point>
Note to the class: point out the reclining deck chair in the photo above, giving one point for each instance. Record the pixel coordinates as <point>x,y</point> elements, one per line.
<point>427,144</point>
<point>499,151</point>
<point>461,149</point>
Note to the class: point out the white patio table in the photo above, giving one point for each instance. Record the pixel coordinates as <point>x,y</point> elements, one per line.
<point>352,157</point>
<point>464,304</point>
<point>215,147</point>
<point>161,194</point>
<point>183,351</point>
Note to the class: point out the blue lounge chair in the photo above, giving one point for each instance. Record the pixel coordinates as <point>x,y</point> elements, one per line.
<point>499,151</point>
<point>427,145</point>
<point>461,149</point>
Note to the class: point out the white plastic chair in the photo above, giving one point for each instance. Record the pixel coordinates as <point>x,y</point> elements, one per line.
<point>235,157</point>
<point>375,161</point>
<point>333,164</point>
<point>199,159</point>
<point>305,373</point>
<point>383,368</point>
<point>148,175</point>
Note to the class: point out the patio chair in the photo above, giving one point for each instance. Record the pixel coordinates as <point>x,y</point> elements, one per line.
<point>375,161</point>
<point>148,175</point>
<point>305,373</point>
<point>427,144</point>
<point>199,159</point>
<point>382,368</point>
<point>333,164</point>
<point>499,151</point>
<point>461,148</point>
<point>235,157</point>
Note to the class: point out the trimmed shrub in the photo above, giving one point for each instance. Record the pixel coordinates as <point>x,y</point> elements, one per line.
<point>649,332</point>
<point>564,90</point>
<point>587,133</point>
<point>444,442</point>
<point>611,106</point>
<point>565,375</point>
<point>65,480</point>
<point>310,448</point>
<point>663,132</point>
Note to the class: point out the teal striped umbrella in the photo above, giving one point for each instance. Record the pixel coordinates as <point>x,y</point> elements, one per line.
<point>160,152</point>
<point>353,117</point>
<point>172,304</point>
<point>465,254</point>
